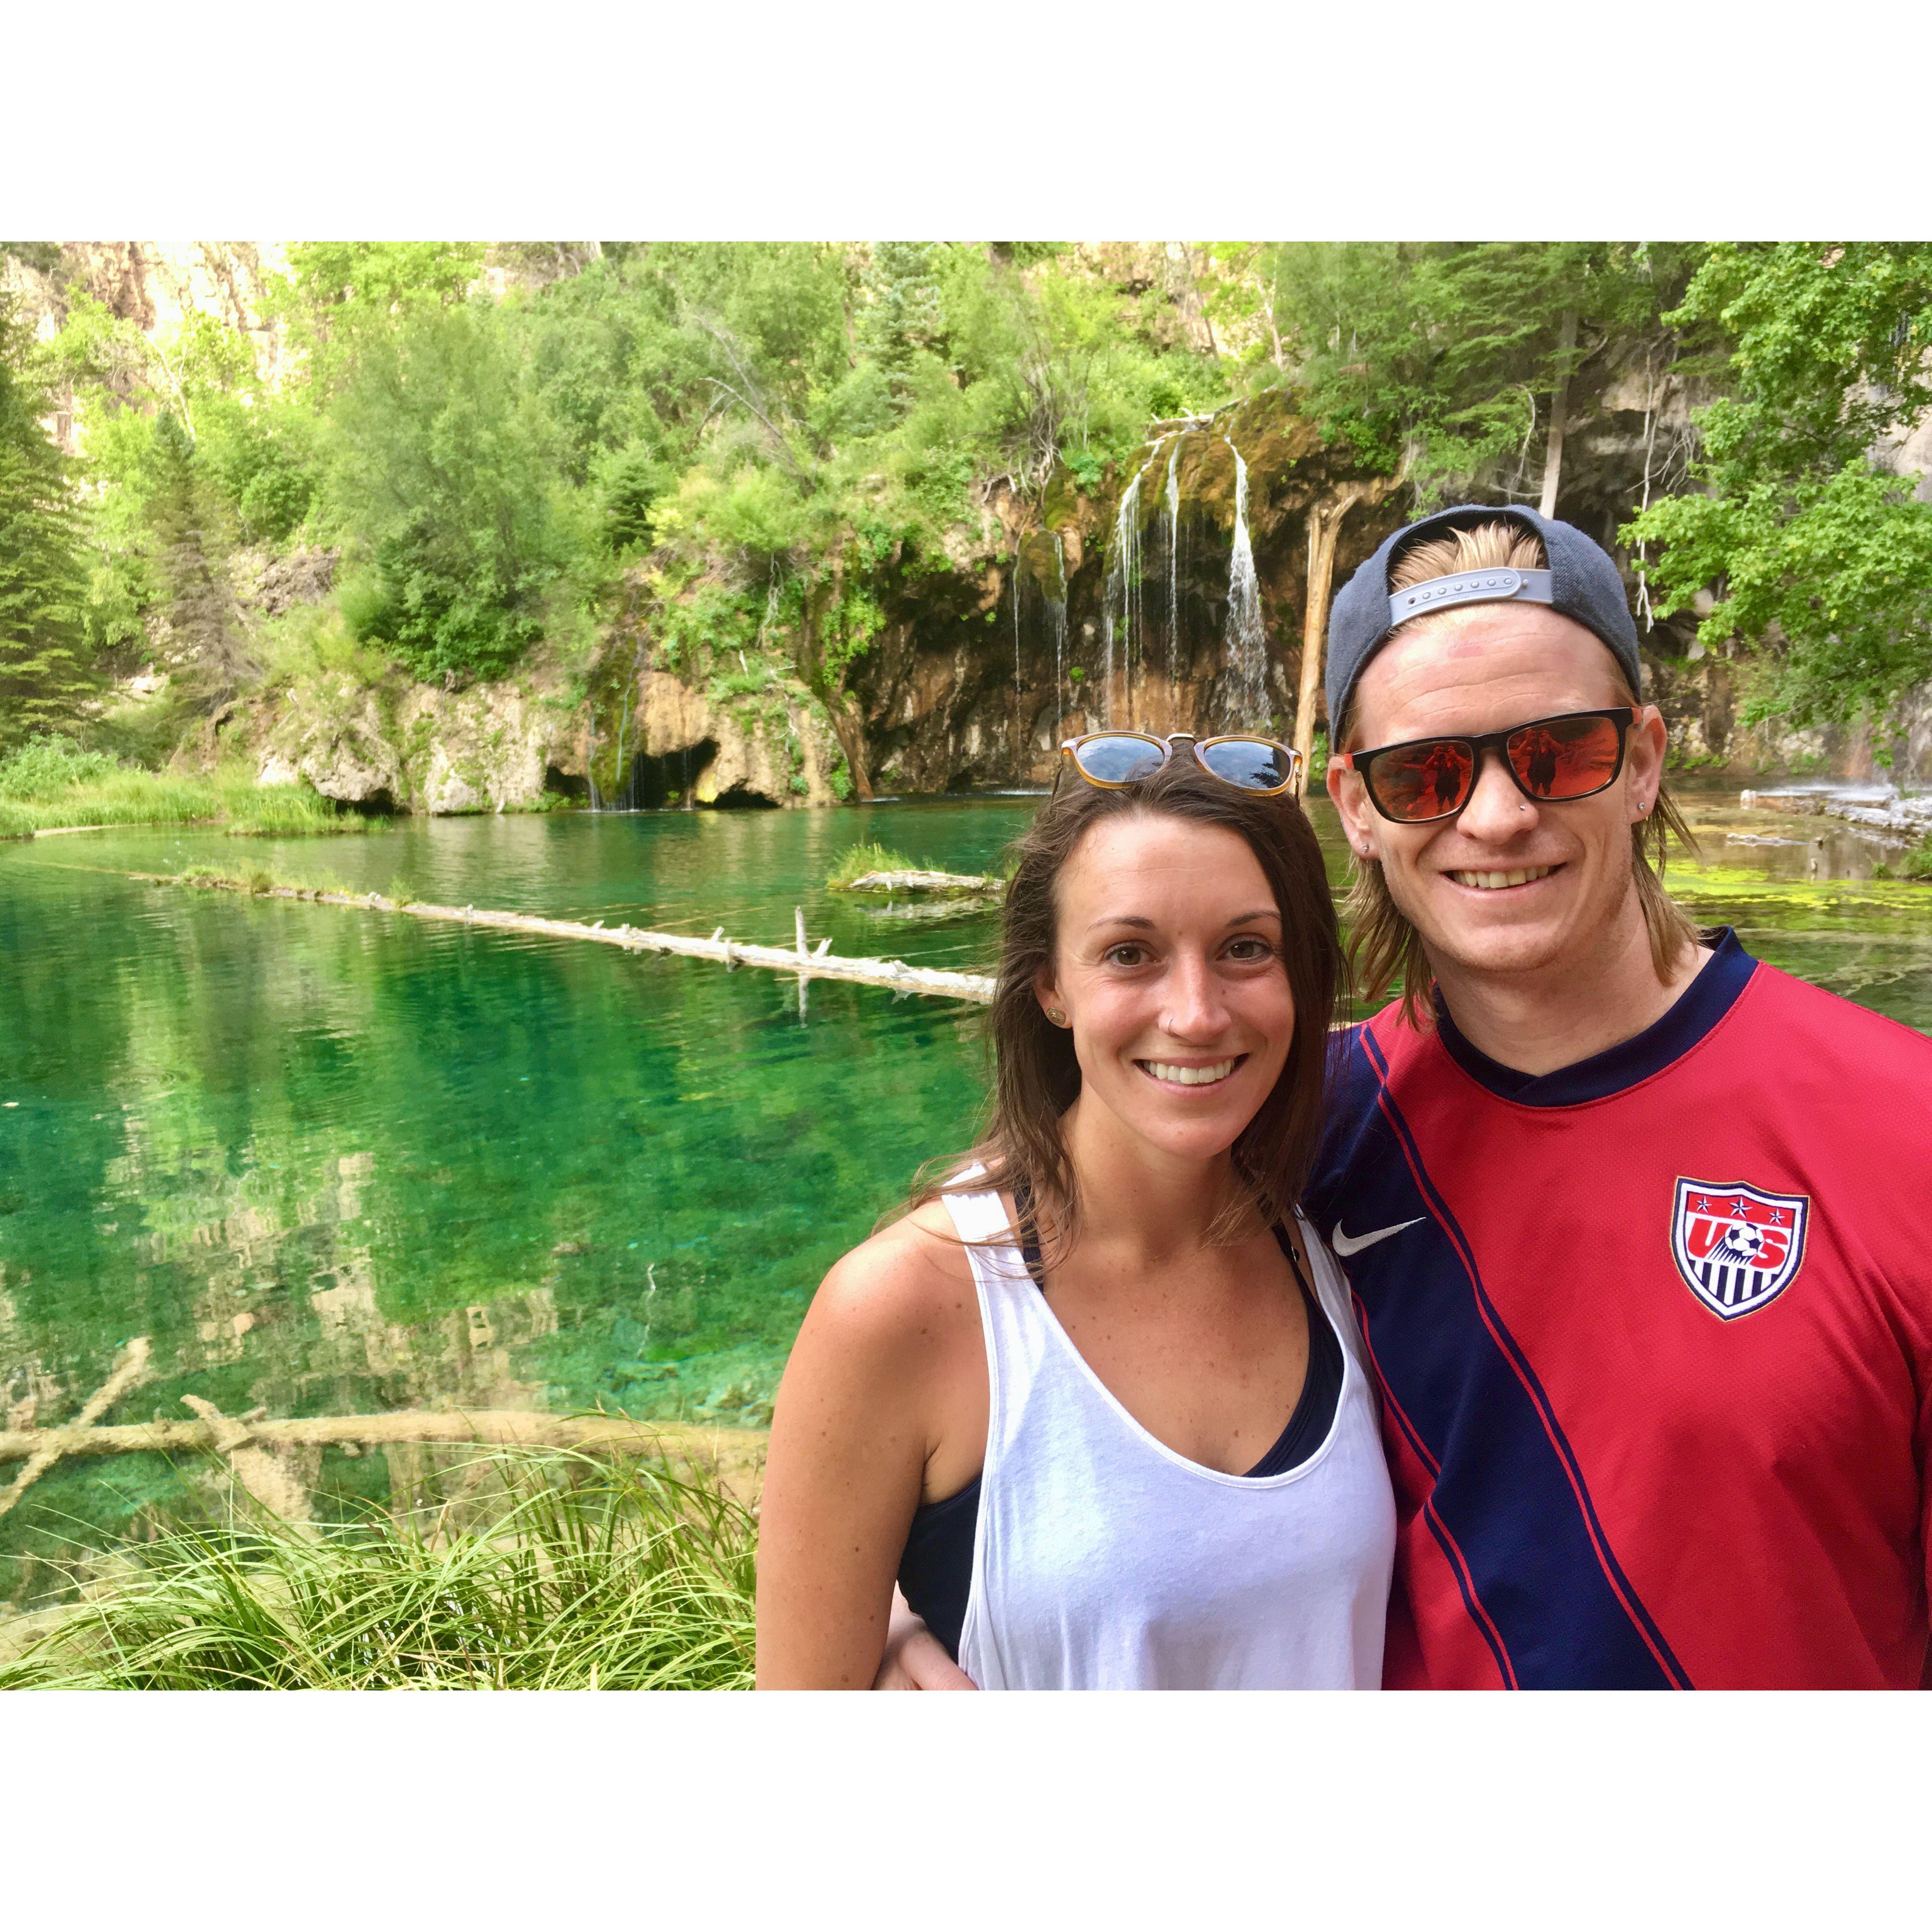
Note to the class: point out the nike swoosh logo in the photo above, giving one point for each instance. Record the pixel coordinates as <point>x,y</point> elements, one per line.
<point>1346,1247</point>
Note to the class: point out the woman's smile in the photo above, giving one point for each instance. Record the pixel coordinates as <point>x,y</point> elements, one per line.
<point>1192,1073</point>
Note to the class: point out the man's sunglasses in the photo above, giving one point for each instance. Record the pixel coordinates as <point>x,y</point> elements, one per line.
<point>1112,759</point>
<point>1552,760</point>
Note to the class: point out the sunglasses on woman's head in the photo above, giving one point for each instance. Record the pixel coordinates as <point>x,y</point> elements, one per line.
<point>1552,760</point>
<point>1112,759</point>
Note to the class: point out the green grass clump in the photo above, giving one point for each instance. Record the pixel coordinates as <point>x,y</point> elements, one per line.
<point>49,783</point>
<point>289,811</point>
<point>580,1573</point>
<point>871,856</point>
<point>1917,863</point>
<point>258,879</point>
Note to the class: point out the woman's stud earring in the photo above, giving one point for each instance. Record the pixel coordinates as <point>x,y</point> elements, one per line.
<point>1054,1014</point>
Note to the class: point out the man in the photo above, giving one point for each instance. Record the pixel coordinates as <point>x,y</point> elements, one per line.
<point>1640,1230</point>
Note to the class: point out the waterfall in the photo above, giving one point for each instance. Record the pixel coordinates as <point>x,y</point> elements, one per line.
<point>1173,564</point>
<point>1124,580</point>
<point>628,773</point>
<point>1019,740</point>
<point>617,778</point>
<point>1247,645</point>
<point>1056,622</point>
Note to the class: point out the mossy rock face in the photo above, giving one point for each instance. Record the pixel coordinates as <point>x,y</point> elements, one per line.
<point>1044,561</point>
<point>1287,465</point>
<point>1059,501</point>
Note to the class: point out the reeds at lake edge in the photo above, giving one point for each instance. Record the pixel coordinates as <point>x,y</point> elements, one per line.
<point>49,785</point>
<point>562,1569</point>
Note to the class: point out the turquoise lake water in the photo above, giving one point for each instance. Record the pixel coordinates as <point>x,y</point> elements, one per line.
<point>335,1162</point>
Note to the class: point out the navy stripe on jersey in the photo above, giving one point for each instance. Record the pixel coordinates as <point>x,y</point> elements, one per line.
<point>1459,1565</point>
<point>1508,1503</point>
<point>1700,1007</point>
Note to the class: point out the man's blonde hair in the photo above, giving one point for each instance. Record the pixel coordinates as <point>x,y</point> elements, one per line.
<point>1383,946</point>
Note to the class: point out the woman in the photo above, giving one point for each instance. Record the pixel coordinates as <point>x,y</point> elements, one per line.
<point>1096,1399</point>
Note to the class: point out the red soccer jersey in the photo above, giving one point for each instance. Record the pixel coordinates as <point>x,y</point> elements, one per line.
<point>1654,1339</point>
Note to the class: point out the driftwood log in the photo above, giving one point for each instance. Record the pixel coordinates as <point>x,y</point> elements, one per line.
<point>46,1447</point>
<point>264,1456</point>
<point>922,882</point>
<point>525,1428</point>
<point>730,953</point>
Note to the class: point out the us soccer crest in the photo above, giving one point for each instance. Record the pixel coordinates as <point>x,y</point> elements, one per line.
<point>1737,1246</point>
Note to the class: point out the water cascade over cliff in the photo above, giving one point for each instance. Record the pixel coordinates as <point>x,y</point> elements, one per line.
<point>1124,590</point>
<point>1169,597</point>
<point>1246,642</point>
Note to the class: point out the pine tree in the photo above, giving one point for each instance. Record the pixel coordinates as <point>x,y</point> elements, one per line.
<point>46,674</point>
<point>906,314</point>
<point>191,548</point>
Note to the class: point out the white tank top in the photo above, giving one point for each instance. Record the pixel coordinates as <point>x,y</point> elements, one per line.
<point>1103,1561</point>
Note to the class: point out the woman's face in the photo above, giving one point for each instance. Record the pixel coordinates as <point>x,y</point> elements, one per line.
<point>1167,967</point>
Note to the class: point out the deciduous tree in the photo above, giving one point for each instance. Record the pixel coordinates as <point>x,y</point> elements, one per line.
<point>1819,550</point>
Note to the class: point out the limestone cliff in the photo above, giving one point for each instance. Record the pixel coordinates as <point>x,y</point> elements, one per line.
<point>517,745</point>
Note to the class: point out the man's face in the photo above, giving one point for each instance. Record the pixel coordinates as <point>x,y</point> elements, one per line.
<point>1487,668</point>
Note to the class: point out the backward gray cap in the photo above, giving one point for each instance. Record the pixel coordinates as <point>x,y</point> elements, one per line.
<point>1581,582</point>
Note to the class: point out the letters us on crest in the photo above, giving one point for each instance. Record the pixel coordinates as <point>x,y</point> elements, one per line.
<point>1736,1246</point>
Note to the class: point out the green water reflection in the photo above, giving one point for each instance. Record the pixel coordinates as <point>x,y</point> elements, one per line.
<point>334,1161</point>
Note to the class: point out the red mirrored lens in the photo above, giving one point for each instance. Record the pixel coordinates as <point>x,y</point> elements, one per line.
<point>1429,780</point>
<point>1565,757</point>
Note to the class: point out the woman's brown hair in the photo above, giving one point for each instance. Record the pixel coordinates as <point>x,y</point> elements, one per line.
<point>1036,1076</point>
<point>1383,947</point>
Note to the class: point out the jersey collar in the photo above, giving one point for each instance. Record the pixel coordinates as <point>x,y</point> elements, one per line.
<point>1702,1005</point>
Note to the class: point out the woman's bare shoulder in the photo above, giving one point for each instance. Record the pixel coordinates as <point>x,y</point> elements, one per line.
<point>908,1275</point>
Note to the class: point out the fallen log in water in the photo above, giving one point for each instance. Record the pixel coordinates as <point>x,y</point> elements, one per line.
<point>265,1457</point>
<point>46,1447</point>
<point>730,953</point>
<point>921,882</point>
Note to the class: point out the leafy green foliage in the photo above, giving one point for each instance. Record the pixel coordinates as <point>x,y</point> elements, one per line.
<point>1817,548</point>
<point>338,297</point>
<point>46,764</point>
<point>783,434</point>
<point>196,456</point>
<point>441,476</point>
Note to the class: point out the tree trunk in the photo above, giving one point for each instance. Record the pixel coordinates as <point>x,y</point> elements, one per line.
<point>1559,414</point>
<point>1325,516</point>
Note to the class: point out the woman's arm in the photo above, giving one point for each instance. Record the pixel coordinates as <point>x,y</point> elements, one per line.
<point>853,1429</point>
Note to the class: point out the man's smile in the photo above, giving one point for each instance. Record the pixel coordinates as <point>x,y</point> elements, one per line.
<point>1501,881</point>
